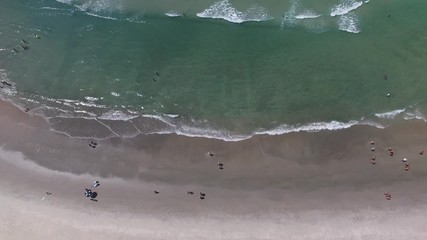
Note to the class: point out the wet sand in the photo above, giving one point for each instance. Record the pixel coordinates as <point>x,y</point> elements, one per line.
<point>295,186</point>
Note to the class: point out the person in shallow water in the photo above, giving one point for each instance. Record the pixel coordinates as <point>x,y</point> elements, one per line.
<point>24,47</point>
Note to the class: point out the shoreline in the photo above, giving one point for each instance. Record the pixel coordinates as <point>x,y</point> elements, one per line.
<point>128,125</point>
<point>305,185</point>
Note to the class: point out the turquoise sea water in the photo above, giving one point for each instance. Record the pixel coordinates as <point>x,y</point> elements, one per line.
<point>223,69</point>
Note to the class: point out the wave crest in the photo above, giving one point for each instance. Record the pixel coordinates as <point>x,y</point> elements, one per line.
<point>391,114</point>
<point>225,10</point>
<point>345,7</point>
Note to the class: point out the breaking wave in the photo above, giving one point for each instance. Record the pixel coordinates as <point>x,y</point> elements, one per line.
<point>391,114</point>
<point>224,10</point>
<point>345,7</point>
<point>67,116</point>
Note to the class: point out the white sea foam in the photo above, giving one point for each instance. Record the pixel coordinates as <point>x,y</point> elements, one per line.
<point>115,94</point>
<point>349,23</point>
<point>92,99</point>
<point>345,6</point>
<point>256,14</point>
<point>91,114</point>
<point>101,6</point>
<point>307,14</point>
<point>89,104</point>
<point>171,115</point>
<point>100,16</point>
<point>116,115</point>
<point>135,20</point>
<point>391,114</point>
<point>371,123</point>
<point>415,115</point>
<point>69,2</point>
<point>30,100</point>
<point>225,135</point>
<point>55,9</point>
<point>203,129</point>
<point>224,10</point>
<point>311,127</point>
<point>173,14</point>
<point>289,16</point>
<point>160,118</point>
<point>189,131</point>
<point>97,8</point>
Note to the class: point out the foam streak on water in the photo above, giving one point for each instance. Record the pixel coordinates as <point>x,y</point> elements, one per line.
<point>307,14</point>
<point>349,23</point>
<point>173,14</point>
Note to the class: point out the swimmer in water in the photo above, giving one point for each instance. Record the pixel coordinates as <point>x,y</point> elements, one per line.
<point>24,47</point>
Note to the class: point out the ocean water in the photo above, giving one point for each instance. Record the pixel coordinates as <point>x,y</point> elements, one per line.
<point>214,68</point>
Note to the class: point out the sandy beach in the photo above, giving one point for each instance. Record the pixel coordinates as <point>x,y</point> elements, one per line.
<point>294,186</point>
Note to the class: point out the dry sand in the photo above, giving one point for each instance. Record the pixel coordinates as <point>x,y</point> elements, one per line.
<point>296,186</point>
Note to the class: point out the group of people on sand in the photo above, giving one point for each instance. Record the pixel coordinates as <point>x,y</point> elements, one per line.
<point>202,194</point>
<point>91,194</point>
<point>391,154</point>
<point>93,144</point>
